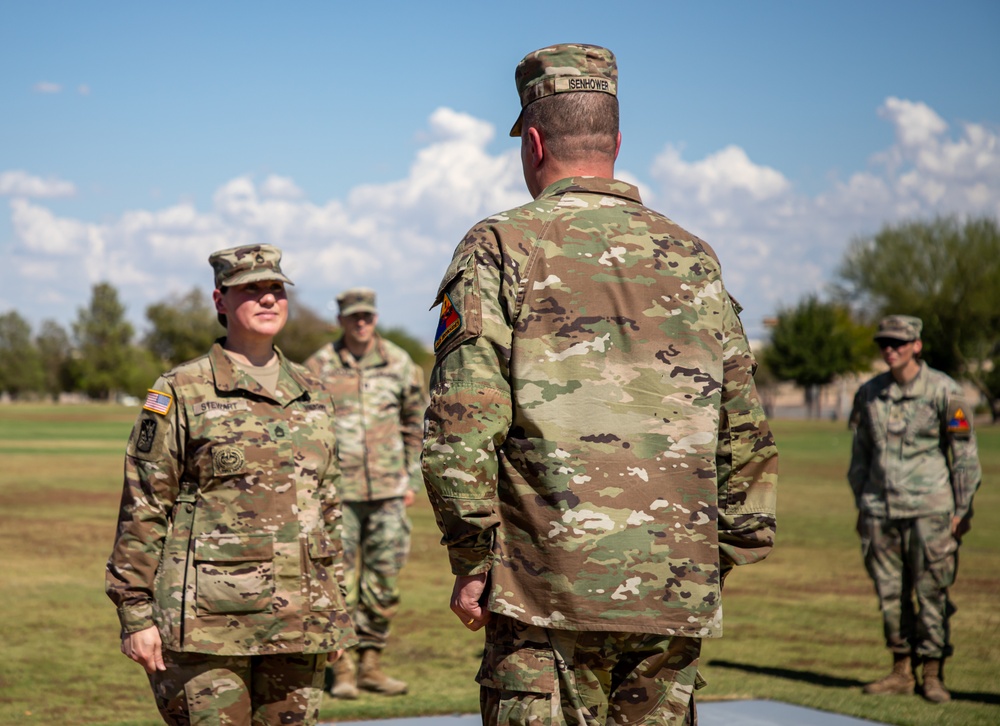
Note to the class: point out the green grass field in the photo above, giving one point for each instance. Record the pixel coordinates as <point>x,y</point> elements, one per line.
<point>802,627</point>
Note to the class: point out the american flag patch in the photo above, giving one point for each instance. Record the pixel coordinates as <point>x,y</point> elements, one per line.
<point>157,402</point>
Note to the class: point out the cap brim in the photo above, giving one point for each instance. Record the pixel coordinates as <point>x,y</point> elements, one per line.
<point>515,130</point>
<point>359,308</point>
<point>257,276</point>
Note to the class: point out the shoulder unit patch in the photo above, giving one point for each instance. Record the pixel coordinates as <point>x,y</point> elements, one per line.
<point>958,422</point>
<point>449,323</point>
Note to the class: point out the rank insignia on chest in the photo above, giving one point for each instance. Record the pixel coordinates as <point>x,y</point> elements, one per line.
<point>959,422</point>
<point>449,323</point>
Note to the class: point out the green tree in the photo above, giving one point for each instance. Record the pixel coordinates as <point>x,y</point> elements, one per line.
<point>183,327</point>
<point>814,342</point>
<point>20,370</point>
<point>103,338</point>
<point>55,355</point>
<point>945,272</point>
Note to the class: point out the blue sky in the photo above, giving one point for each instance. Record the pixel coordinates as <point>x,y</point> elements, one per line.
<point>364,139</point>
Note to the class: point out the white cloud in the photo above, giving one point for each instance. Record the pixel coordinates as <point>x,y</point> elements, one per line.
<point>83,89</point>
<point>775,242</point>
<point>47,87</point>
<point>17,183</point>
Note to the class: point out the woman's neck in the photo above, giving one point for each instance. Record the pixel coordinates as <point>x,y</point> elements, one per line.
<point>251,352</point>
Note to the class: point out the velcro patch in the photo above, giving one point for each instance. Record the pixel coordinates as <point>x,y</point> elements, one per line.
<point>147,435</point>
<point>158,402</point>
<point>958,422</point>
<point>228,460</point>
<point>449,324</point>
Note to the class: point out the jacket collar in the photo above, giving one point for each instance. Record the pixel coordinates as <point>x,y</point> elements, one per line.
<point>230,377</point>
<point>593,185</point>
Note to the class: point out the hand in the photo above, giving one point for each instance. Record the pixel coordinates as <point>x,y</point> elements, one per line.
<point>466,600</point>
<point>145,648</point>
<point>409,497</point>
<point>334,656</point>
<point>960,526</point>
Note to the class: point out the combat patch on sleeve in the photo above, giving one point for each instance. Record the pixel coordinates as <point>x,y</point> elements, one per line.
<point>449,324</point>
<point>959,425</point>
<point>158,402</point>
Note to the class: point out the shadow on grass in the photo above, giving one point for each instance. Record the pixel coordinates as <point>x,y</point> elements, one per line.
<point>821,679</point>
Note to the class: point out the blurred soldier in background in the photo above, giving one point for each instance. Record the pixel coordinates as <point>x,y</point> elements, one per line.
<point>914,470</point>
<point>595,449</point>
<point>379,397</point>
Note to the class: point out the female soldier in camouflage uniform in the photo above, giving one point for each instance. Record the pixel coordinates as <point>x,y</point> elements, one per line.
<point>227,569</point>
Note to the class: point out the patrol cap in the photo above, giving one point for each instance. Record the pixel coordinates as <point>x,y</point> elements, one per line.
<point>249,263</point>
<point>899,327</point>
<point>564,68</point>
<point>357,300</point>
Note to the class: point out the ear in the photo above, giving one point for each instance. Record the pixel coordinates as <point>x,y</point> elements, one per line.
<point>918,346</point>
<point>536,149</point>
<point>220,305</point>
<point>618,145</point>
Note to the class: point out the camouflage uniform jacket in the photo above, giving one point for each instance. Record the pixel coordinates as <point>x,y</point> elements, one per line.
<point>914,450</point>
<point>229,530</point>
<point>594,438</point>
<point>380,404</point>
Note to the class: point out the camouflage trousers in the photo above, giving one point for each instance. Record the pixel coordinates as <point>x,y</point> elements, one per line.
<point>376,544</point>
<point>912,563</point>
<point>258,690</point>
<point>540,676</point>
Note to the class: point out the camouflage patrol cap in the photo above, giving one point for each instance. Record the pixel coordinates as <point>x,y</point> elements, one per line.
<point>357,300</point>
<point>564,68</point>
<point>899,327</point>
<point>249,263</point>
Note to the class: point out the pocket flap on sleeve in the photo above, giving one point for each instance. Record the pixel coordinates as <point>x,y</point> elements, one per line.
<point>321,546</point>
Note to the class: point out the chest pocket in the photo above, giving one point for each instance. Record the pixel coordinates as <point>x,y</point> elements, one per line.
<point>234,573</point>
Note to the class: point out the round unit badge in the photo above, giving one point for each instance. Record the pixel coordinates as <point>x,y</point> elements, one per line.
<point>227,460</point>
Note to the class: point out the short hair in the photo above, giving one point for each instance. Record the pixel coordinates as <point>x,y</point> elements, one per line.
<point>576,126</point>
<point>221,317</point>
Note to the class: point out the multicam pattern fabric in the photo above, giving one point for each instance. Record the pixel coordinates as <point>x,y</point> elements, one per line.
<point>533,675</point>
<point>209,689</point>
<point>594,438</point>
<point>376,544</point>
<point>914,450</point>
<point>229,530</point>
<point>907,559</point>
<point>914,466</point>
<point>380,404</point>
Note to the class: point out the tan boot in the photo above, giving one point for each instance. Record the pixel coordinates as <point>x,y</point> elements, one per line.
<point>933,681</point>
<point>899,682</point>
<point>345,677</point>
<point>371,677</point>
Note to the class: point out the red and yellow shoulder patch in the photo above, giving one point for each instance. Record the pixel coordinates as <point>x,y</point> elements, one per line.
<point>449,324</point>
<point>958,422</point>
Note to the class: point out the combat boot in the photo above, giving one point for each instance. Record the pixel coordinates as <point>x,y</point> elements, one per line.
<point>371,677</point>
<point>900,681</point>
<point>345,677</point>
<point>933,681</point>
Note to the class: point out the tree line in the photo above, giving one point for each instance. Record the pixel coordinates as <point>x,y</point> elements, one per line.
<point>102,358</point>
<point>945,271</point>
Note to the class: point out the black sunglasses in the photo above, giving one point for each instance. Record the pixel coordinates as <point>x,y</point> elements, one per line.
<point>891,343</point>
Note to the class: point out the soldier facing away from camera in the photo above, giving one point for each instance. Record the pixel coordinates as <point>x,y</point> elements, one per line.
<point>379,394</point>
<point>595,450</point>
<point>914,470</point>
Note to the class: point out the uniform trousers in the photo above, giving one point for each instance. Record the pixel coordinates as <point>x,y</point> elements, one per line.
<point>912,563</point>
<point>376,539</point>
<point>539,676</point>
<point>198,689</point>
